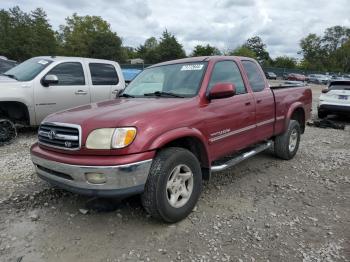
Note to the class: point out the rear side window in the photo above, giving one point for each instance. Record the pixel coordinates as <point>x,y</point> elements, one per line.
<point>256,80</point>
<point>103,74</point>
<point>227,72</point>
<point>69,74</point>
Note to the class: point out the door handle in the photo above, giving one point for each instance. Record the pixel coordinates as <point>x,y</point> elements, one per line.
<point>247,103</point>
<point>259,101</point>
<point>80,92</point>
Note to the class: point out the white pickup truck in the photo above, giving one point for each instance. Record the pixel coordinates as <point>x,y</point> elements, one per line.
<point>44,85</point>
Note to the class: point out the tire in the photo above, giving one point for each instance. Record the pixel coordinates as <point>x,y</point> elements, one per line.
<point>8,132</point>
<point>284,146</point>
<point>156,198</point>
<point>321,114</point>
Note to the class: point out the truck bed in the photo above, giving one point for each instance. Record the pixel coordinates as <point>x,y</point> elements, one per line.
<point>286,96</point>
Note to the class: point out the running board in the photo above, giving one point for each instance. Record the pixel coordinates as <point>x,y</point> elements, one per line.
<point>234,161</point>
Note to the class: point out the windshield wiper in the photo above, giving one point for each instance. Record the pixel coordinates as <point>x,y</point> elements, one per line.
<point>10,76</point>
<point>161,93</point>
<point>126,95</point>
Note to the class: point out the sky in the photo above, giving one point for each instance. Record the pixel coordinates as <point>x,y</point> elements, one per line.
<point>225,24</point>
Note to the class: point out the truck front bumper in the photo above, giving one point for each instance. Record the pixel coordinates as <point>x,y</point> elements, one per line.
<point>113,181</point>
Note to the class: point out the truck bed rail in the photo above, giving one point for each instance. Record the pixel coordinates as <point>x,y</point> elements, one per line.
<point>288,85</point>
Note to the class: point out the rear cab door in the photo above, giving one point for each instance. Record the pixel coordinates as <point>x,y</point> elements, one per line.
<point>71,90</point>
<point>105,78</point>
<point>264,100</point>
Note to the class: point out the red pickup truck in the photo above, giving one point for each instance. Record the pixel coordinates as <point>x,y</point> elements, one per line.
<point>169,130</point>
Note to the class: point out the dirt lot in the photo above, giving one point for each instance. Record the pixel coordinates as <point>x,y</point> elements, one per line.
<point>264,209</point>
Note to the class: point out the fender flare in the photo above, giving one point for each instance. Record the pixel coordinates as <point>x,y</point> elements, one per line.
<point>290,112</point>
<point>179,133</point>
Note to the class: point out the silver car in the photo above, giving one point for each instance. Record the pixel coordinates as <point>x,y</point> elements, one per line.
<point>318,79</point>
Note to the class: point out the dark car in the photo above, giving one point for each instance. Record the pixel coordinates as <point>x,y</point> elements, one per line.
<point>6,65</point>
<point>271,75</point>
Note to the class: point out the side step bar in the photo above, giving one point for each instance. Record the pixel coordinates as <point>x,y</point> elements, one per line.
<point>234,161</point>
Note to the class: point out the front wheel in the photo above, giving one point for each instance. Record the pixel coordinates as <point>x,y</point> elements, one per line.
<point>173,186</point>
<point>8,131</point>
<point>287,144</point>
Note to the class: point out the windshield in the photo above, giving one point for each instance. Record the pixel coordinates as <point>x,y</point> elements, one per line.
<point>29,69</point>
<point>182,80</point>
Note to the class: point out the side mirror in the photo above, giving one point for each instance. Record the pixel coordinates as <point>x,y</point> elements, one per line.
<point>222,90</point>
<point>325,90</point>
<point>49,80</point>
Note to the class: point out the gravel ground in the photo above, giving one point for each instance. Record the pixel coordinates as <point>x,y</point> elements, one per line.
<point>264,209</point>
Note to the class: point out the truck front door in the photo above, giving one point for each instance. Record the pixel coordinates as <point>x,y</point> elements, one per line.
<point>70,91</point>
<point>230,122</point>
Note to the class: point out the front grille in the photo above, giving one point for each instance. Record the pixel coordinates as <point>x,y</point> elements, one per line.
<point>59,135</point>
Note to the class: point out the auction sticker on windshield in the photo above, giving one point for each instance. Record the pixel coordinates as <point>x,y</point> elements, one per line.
<point>194,67</point>
<point>43,62</point>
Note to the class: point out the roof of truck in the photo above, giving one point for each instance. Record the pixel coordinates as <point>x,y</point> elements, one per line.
<point>200,59</point>
<point>63,58</point>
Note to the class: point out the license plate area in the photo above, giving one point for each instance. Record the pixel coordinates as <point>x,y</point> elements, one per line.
<point>343,97</point>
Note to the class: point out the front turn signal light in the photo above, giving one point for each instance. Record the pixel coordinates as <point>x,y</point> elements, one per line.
<point>123,137</point>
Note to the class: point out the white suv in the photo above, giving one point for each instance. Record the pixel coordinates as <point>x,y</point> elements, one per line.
<point>335,99</point>
<point>44,85</point>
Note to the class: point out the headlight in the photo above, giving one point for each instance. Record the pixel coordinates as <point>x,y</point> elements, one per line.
<point>108,138</point>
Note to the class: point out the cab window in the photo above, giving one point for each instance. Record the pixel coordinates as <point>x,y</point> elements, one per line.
<point>69,74</point>
<point>103,74</point>
<point>227,72</point>
<point>256,80</point>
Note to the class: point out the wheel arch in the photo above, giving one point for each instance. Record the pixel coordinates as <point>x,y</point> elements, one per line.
<point>296,112</point>
<point>190,139</point>
<point>16,111</point>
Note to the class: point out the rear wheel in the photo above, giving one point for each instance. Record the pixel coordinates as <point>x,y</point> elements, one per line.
<point>287,144</point>
<point>173,186</point>
<point>8,131</point>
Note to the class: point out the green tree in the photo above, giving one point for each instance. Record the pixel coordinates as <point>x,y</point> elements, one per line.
<point>43,37</point>
<point>129,52</point>
<point>24,35</point>
<point>208,50</point>
<point>169,48</point>
<point>243,51</point>
<point>149,51</point>
<point>5,33</point>
<point>90,36</point>
<point>334,37</point>
<point>285,62</point>
<point>313,52</point>
<point>20,36</point>
<point>342,55</point>
<point>258,47</point>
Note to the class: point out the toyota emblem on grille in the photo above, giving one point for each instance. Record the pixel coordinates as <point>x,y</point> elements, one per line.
<point>52,134</point>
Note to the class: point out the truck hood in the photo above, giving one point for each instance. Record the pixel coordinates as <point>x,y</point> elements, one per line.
<point>5,79</point>
<point>121,112</point>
